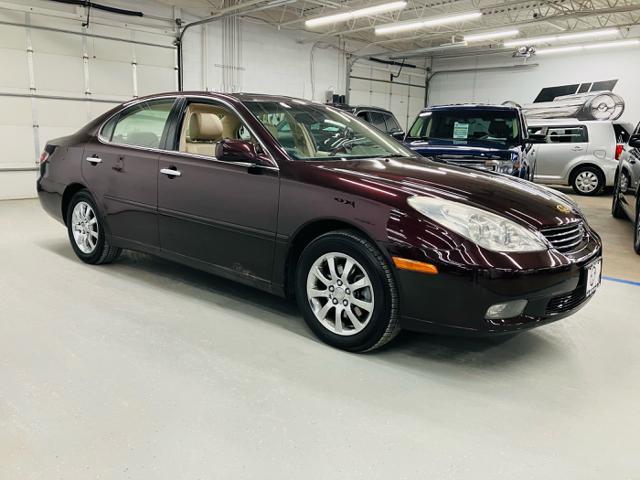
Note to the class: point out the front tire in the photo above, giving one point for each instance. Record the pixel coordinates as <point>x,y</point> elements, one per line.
<point>86,231</point>
<point>587,181</point>
<point>346,292</point>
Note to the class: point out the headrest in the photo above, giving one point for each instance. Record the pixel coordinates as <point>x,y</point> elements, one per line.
<point>204,127</point>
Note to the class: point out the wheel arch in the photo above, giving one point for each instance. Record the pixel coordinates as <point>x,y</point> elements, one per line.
<point>573,171</point>
<point>67,195</point>
<point>310,231</point>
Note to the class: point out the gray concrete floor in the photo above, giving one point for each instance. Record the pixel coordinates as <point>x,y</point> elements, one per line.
<point>148,370</point>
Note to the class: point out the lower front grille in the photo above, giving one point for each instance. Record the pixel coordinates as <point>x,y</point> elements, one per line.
<point>564,303</point>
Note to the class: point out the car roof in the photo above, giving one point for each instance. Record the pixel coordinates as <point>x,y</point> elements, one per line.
<point>470,106</point>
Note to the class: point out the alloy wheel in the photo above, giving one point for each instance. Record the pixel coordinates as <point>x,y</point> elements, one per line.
<point>587,181</point>
<point>624,183</point>
<point>340,293</point>
<point>84,225</point>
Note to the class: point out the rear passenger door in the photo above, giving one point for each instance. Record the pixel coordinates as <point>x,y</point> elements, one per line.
<point>563,145</point>
<point>120,168</point>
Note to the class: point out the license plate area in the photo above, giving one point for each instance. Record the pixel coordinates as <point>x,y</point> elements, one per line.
<point>593,276</point>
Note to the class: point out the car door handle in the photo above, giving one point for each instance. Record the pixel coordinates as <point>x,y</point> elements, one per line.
<point>94,160</point>
<point>171,172</point>
<point>577,149</point>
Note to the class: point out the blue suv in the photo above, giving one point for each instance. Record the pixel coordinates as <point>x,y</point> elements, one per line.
<point>488,137</point>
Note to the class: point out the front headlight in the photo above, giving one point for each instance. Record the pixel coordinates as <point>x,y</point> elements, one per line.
<point>487,229</point>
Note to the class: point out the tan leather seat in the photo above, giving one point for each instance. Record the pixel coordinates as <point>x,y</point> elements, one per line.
<point>205,129</point>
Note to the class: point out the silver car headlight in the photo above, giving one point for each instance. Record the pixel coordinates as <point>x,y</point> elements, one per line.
<point>484,228</point>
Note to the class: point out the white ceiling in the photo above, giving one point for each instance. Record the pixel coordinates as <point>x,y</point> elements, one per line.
<point>531,17</point>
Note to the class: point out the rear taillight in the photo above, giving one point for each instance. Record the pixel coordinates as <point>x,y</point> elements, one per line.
<point>619,150</point>
<point>44,156</point>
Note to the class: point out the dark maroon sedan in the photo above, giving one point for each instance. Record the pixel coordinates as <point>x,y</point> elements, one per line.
<point>302,199</point>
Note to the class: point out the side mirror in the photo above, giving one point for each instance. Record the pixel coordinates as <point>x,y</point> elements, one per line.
<point>399,135</point>
<point>230,150</point>
<point>634,141</point>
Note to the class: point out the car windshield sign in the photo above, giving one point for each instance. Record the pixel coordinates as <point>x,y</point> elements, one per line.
<point>497,129</point>
<point>308,131</point>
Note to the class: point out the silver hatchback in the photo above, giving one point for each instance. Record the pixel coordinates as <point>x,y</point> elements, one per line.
<point>582,154</point>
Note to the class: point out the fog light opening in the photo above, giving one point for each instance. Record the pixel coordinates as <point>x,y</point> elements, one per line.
<point>501,311</point>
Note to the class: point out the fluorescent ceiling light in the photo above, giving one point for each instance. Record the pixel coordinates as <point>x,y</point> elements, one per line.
<point>591,46</point>
<point>491,35</point>
<point>432,22</point>
<point>362,12</point>
<point>522,42</point>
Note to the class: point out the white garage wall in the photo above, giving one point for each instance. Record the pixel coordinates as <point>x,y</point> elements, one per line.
<point>523,85</point>
<point>54,79</point>
<point>371,85</point>
<point>279,62</point>
<point>272,61</point>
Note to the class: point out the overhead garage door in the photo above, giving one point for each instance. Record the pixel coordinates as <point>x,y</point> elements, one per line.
<point>370,85</point>
<point>56,76</point>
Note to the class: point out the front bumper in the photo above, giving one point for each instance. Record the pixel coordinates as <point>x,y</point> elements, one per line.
<point>456,302</point>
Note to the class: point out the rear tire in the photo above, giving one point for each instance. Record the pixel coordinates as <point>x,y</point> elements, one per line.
<point>86,231</point>
<point>346,292</point>
<point>616,208</point>
<point>587,180</point>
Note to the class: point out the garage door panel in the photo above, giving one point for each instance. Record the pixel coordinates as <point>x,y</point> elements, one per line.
<point>13,37</point>
<point>45,41</point>
<point>110,78</point>
<point>16,76</point>
<point>17,146</point>
<point>61,113</point>
<point>100,49</point>
<point>48,77</point>
<point>380,99</point>
<point>155,79</point>
<point>162,57</point>
<point>16,112</point>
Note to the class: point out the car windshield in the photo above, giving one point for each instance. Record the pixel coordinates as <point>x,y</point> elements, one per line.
<point>309,131</point>
<point>476,127</point>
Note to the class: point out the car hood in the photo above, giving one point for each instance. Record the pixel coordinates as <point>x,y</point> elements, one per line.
<point>393,180</point>
<point>444,149</point>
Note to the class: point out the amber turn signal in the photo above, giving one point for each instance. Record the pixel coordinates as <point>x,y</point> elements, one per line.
<point>413,265</point>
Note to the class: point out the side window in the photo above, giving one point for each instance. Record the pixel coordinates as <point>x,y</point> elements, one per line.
<point>377,120</point>
<point>142,125</point>
<point>392,124</point>
<point>364,116</point>
<point>205,124</point>
<point>571,134</point>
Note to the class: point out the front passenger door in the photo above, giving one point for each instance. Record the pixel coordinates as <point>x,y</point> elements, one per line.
<point>221,213</point>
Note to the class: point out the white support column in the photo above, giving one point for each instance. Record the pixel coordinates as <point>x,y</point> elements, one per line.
<point>32,90</point>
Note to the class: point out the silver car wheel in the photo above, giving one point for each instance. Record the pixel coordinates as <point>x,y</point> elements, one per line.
<point>84,225</point>
<point>340,293</point>
<point>587,181</point>
<point>624,183</point>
